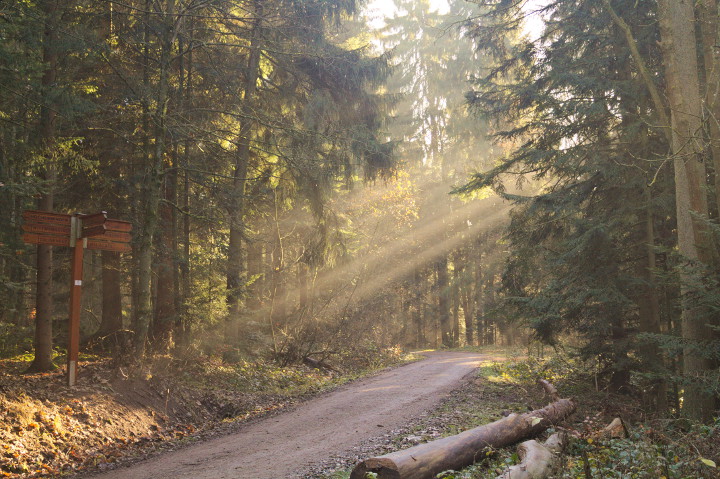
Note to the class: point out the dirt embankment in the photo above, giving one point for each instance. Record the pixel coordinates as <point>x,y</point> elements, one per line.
<point>47,429</point>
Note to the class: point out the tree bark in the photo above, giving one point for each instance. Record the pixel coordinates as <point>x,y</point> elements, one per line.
<point>456,452</point>
<point>644,72</point>
<point>184,287</point>
<point>236,272</point>
<point>278,305</point>
<point>441,267</point>
<point>44,302</point>
<point>111,296</point>
<point>649,310</point>
<point>455,297</point>
<point>536,459</point>
<point>478,296</point>
<point>488,300</point>
<point>679,49</point>
<point>708,21</point>
<point>468,311</point>
<point>153,181</point>
<point>165,312</point>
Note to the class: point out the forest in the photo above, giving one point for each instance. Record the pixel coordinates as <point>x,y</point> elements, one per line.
<point>313,188</point>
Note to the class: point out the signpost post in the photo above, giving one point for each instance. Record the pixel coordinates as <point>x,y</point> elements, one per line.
<point>79,232</point>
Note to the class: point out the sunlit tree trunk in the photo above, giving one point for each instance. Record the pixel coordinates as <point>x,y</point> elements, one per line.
<point>465,270</point>
<point>477,299</point>
<point>255,270</point>
<point>153,179</point>
<point>44,308</point>
<point>455,297</point>
<point>488,302</point>
<point>278,305</point>
<point>444,317</point>
<point>303,285</point>
<point>677,28</point>
<point>417,314</point>
<point>186,92</point>
<point>236,272</point>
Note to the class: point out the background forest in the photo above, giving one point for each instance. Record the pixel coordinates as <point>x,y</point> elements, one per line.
<point>288,168</point>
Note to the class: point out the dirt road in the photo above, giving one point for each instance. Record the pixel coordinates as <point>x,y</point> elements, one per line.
<point>280,446</point>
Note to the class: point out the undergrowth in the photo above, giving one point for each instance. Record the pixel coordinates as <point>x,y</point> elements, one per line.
<point>656,448</point>
<point>261,376</point>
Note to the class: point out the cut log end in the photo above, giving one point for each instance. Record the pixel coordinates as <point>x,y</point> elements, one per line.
<point>616,429</point>
<point>549,389</point>
<point>384,468</point>
<point>537,459</point>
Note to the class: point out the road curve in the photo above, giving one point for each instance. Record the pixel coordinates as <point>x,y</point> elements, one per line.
<point>279,446</point>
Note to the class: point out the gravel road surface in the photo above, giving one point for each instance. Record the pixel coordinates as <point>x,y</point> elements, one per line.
<point>280,446</point>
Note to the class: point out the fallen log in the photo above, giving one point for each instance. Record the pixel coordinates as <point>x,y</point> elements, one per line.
<point>536,460</point>
<point>615,430</point>
<point>456,452</point>
<point>318,364</point>
<point>549,389</point>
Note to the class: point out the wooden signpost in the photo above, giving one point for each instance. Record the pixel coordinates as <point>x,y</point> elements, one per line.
<point>77,231</point>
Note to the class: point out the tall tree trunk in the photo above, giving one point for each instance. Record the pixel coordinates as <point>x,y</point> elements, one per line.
<point>467,303</point>
<point>44,308</point>
<point>478,299</point>
<point>153,181</point>
<point>418,315</point>
<point>186,73</point>
<point>441,286</point>
<point>255,270</point>
<point>489,302</point>
<point>278,306</point>
<point>649,311</point>
<point>620,375</point>
<point>708,21</point>
<point>455,296</point>
<point>677,28</point>
<point>236,277</point>
<point>302,276</point>
<point>111,320</point>
<point>165,312</point>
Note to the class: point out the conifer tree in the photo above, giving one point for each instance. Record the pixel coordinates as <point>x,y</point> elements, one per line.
<point>578,109</point>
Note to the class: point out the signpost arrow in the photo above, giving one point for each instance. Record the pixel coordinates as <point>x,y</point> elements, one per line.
<point>93,220</point>
<point>46,217</point>
<point>47,229</point>
<point>33,238</point>
<point>115,236</point>
<point>101,244</point>
<point>117,225</point>
<point>92,231</point>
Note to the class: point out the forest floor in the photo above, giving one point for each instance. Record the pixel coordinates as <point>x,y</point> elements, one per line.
<point>115,418</point>
<point>116,415</point>
<point>652,447</point>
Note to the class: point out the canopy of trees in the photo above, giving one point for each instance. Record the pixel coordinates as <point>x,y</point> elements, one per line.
<point>287,166</point>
